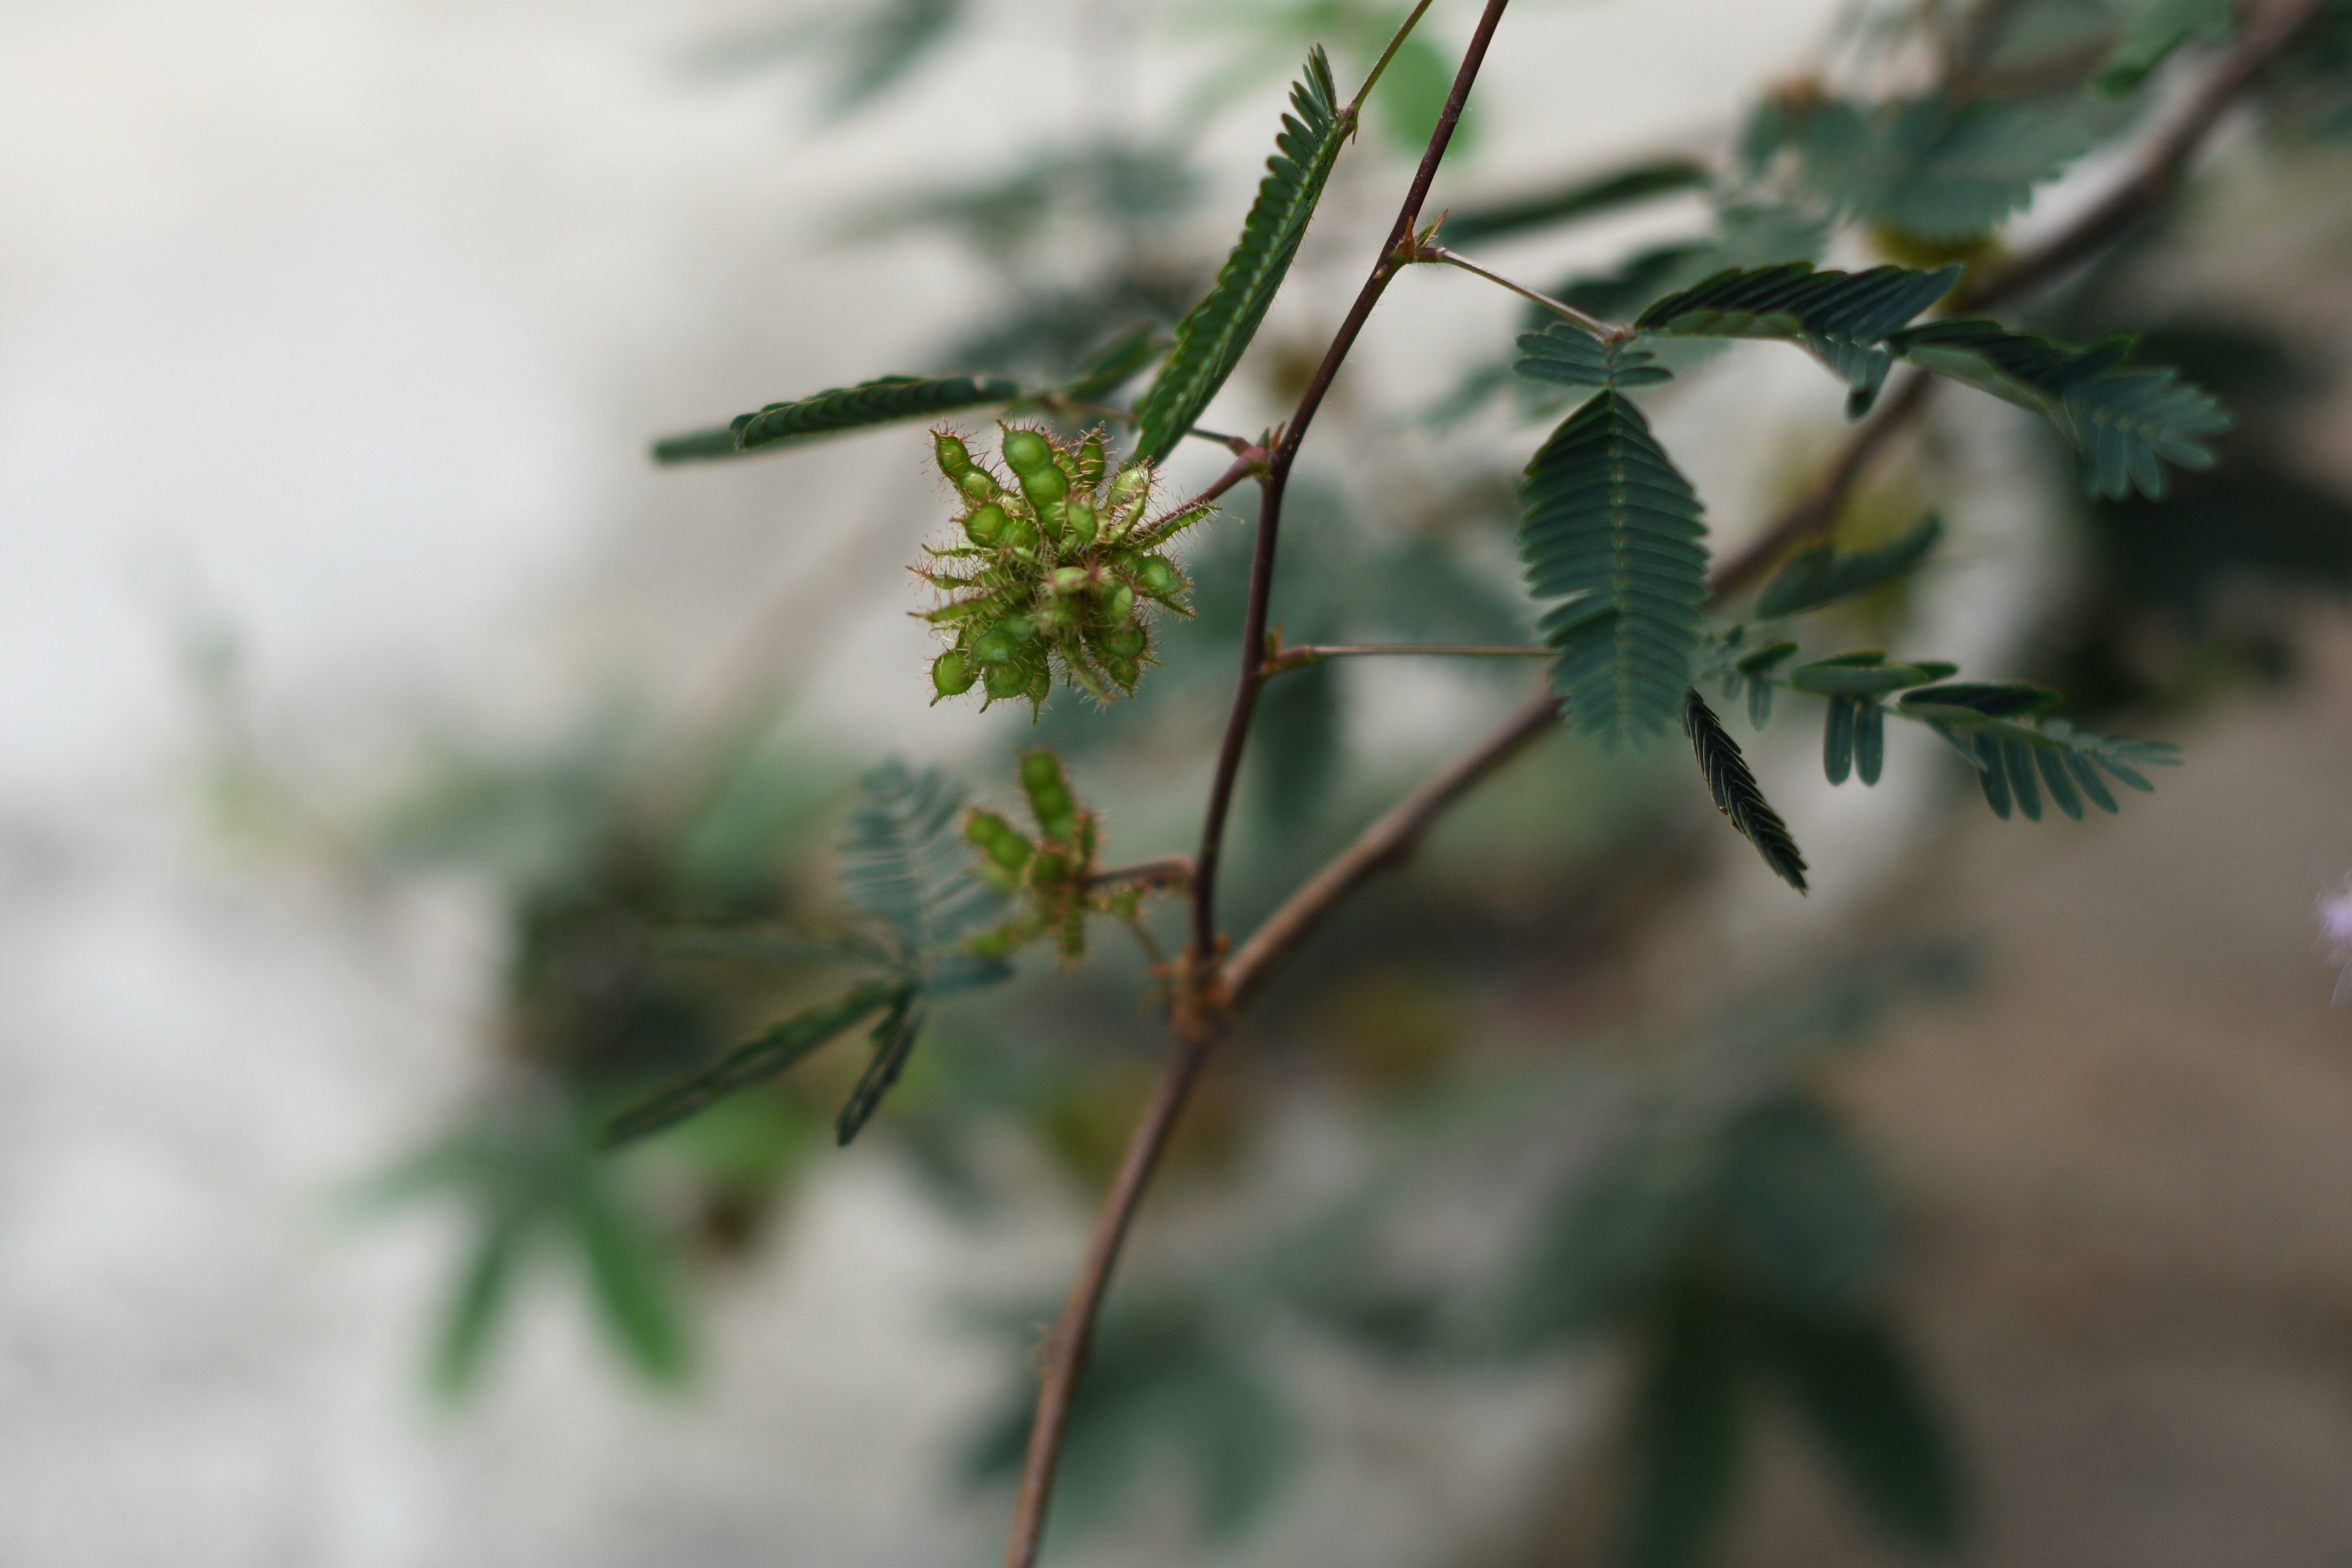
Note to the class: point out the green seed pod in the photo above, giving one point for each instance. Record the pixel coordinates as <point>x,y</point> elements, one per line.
<point>1079,519</point>
<point>988,524</point>
<point>1157,576</point>
<point>1057,615</point>
<point>1055,516</point>
<point>1009,680</point>
<point>951,674</point>
<point>1028,452</point>
<point>1090,461</point>
<point>978,485</point>
<point>1020,629</point>
<point>955,457</point>
<point>1043,486</point>
<point>1070,579</point>
<point>1041,683</point>
<point>1126,671</point>
<point>1126,643</point>
<point>995,648</point>
<point>1118,601</point>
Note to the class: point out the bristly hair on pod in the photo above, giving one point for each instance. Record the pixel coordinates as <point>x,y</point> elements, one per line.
<point>1055,571</point>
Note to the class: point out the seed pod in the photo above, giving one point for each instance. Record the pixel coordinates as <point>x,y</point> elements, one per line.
<point>1020,629</point>
<point>1126,671</point>
<point>1090,462</point>
<point>978,485</point>
<point>951,674</point>
<point>1126,643</point>
<point>1117,600</point>
<point>1041,684</point>
<point>1043,486</point>
<point>1156,575</point>
<point>988,524</point>
<point>1009,680</point>
<point>1070,579</point>
<point>995,646</point>
<point>1057,615</point>
<point>955,457</point>
<point>1078,520</point>
<point>1028,452</point>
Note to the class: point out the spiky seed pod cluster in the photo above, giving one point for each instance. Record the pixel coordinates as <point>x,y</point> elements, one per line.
<point>1056,572</point>
<point>1051,874</point>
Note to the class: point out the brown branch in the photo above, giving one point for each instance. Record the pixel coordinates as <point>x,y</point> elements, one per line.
<point>1162,871</point>
<point>1395,253</point>
<point>1065,1351</point>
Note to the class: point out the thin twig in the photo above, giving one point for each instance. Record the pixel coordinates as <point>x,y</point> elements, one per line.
<point>1607,331</point>
<point>1163,871</point>
<point>1200,1020</point>
<point>1300,655</point>
<point>1396,42</point>
<point>1394,254</point>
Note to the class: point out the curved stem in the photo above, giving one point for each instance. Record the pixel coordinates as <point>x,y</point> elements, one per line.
<point>1607,331</point>
<point>1394,255</point>
<point>1300,655</point>
<point>1356,104</point>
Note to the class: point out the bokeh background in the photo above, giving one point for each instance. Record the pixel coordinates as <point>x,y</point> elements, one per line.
<point>373,710</point>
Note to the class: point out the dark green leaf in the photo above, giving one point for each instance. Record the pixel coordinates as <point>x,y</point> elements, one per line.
<point>755,1061</point>
<point>1938,169</point>
<point>1863,674</point>
<point>1565,354</point>
<point>1820,576</point>
<point>1604,1246</point>
<point>881,402</point>
<point>905,862</point>
<point>2061,787</point>
<point>480,1301</point>
<point>624,1276</point>
<point>2092,785</point>
<point>1863,1403</point>
<point>2018,758</point>
<point>1585,199</point>
<point>1837,740</point>
<point>1869,739</point>
<point>894,1042</point>
<point>2005,699</point>
<point>1843,317</point>
<point>1612,528</point>
<point>1116,364</point>
<point>1801,1207</point>
<point>1992,775</point>
<point>2125,421</point>
<point>2160,28</point>
<point>1686,1449</point>
<point>1737,794</point>
<point>1211,336</point>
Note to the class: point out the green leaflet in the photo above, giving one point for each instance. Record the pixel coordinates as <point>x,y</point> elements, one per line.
<point>1737,794</point>
<point>1843,317</point>
<point>880,402</point>
<point>2006,730</point>
<point>2125,421</point>
<point>1820,576</point>
<point>1565,354</point>
<point>1942,170</point>
<point>1212,334</point>
<point>1866,1407</point>
<point>1687,1432</point>
<point>1585,199</point>
<point>2160,28</point>
<point>1612,528</point>
<point>906,865</point>
<point>763,1056</point>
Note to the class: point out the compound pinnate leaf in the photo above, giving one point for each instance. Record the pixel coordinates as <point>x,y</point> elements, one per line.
<point>1582,200</point>
<point>1843,317</point>
<point>1211,336</point>
<point>1737,794</point>
<point>1939,169</point>
<point>2125,421</point>
<point>755,1061</point>
<point>1612,528</point>
<point>884,401</point>
<point>1822,576</point>
<point>905,862</point>
<point>1567,355</point>
<point>894,1041</point>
